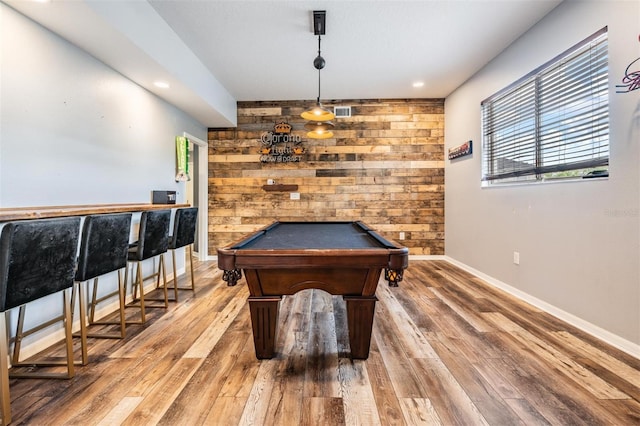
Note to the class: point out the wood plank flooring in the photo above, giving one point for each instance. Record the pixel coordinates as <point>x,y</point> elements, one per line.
<point>447,349</point>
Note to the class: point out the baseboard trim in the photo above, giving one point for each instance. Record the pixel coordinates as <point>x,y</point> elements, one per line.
<point>592,329</point>
<point>427,257</point>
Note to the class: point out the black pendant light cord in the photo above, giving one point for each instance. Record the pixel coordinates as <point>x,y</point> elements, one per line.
<point>319,64</point>
<point>319,124</point>
<point>319,55</point>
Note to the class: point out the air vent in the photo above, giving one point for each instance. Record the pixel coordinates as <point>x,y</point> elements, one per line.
<point>342,111</point>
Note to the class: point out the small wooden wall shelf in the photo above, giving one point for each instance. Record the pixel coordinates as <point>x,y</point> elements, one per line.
<point>280,188</point>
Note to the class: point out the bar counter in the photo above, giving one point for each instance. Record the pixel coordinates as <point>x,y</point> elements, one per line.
<point>25,213</point>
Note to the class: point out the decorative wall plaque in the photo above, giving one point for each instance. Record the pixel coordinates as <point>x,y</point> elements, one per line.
<point>280,145</point>
<point>461,151</point>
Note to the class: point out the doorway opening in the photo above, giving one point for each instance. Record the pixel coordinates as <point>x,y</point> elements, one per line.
<point>197,191</point>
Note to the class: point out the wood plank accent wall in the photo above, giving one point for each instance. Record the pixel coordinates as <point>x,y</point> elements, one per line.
<point>384,166</point>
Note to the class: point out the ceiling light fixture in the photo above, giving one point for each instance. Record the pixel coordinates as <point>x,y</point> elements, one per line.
<point>319,125</point>
<point>161,84</point>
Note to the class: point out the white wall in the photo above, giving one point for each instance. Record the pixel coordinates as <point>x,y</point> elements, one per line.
<point>74,131</point>
<point>578,241</point>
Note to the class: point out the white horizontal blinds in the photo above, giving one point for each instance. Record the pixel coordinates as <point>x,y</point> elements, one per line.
<point>510,133</point>
<point>554,119</point>
<point>574,110</point>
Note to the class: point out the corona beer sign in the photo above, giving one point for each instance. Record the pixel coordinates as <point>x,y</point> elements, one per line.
<point>280,145</point>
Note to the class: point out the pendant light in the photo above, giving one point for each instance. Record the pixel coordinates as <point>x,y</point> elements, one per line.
<point>319,125</point>
<point>319,129</point>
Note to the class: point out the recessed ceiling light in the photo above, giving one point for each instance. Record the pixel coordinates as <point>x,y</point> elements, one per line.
<point>418,84</point>
<point>161,84</point>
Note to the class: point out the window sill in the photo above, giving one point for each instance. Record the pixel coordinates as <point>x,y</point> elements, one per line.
<point>484,185</point>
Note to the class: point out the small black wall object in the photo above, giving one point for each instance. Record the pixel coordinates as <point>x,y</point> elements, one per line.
<point>163,197</point>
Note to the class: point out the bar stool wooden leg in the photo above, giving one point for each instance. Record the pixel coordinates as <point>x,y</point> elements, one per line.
<point>134,281</point>
<point>140,284</point>
<point>94,301</point>
<point>193,284</point>
<point>17,343</point>
<point>68,340</point>
<point>121,293</point>
<point>5,397</point>
<point>78,289</point>
<point>68,334</point>
<point>140,301</point>
<point>164,282</point>
<point>160,272</point>
<point>175,274</point>
<point>82,303</point>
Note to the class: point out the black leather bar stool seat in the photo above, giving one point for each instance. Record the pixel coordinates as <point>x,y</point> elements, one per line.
<point>153,240</point>
<point>103,249</point>
<point>184,233</point>
<point>37,259</point>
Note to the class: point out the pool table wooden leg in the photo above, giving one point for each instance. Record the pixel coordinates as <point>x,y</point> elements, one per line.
<point>264,320</point>
<point>360,310</point>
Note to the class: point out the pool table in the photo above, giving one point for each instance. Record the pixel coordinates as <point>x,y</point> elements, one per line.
<point>341,258</point>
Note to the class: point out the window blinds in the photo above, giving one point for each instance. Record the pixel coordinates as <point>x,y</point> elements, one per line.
<point>554,119</point>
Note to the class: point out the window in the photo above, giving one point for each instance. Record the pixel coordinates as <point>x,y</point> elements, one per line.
<point>552,123</point>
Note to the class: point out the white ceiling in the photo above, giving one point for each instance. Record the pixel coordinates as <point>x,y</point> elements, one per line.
<point>214,52</point>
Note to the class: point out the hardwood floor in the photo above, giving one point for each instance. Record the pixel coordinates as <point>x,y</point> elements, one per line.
<point>446,349</point>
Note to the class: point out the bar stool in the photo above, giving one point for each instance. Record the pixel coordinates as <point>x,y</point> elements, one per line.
<point>184,232</point>
<point>37,259</point>
<point>103,249</point>
<point>153,240</point>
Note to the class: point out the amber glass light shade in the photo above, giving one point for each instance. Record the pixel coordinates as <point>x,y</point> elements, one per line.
<point>318,113</point>
<point>321,134</point>
<point>319,129</point>
<point>316,126</point>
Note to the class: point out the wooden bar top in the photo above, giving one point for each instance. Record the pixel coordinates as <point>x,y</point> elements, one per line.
<point>22,213</point>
